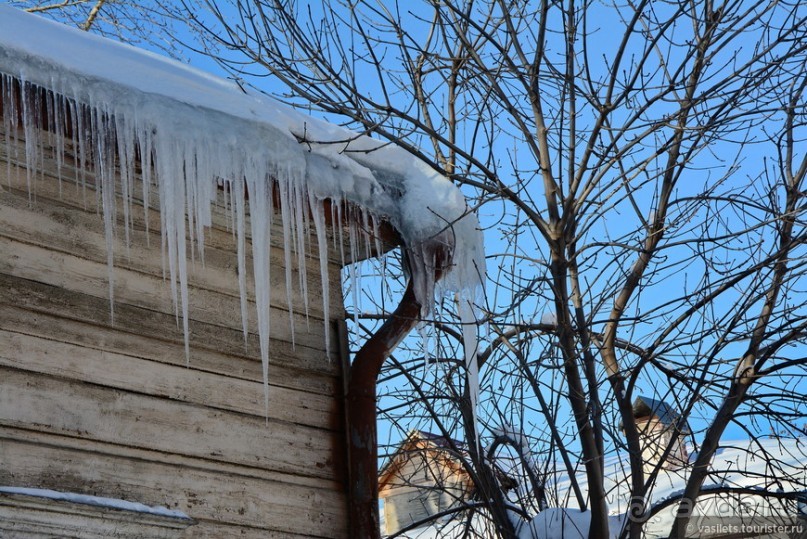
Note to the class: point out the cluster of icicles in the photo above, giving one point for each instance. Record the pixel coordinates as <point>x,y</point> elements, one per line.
<point>128,151</point>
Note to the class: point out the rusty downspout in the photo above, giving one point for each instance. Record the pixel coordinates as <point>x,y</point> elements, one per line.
<point>361,413</point>
<point>362,428</point>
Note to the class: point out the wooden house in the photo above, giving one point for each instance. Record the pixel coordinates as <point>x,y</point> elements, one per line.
<point>425,484</point>
<point>135,401</point>
<point>424,477</point>
<point>663,438</point>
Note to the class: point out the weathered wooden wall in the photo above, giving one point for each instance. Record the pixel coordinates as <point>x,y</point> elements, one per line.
<point>113,410</point>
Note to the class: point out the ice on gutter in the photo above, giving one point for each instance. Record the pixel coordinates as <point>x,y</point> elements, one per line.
<point>190,132</point>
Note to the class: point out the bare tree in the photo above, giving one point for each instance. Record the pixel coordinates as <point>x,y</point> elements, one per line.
<point>640,168</point>
<point>144,23</point>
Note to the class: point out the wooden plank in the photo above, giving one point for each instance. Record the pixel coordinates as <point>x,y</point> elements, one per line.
<point>26,515</point>
<point>137,375</point>
<point>213,530</point>
<point>77,232</point>
<point>75,274</point>
<point>108,415</point>
<point>136,454</point>
<point>147,333</point>
<point>284,371</point>
<point>243,501</point>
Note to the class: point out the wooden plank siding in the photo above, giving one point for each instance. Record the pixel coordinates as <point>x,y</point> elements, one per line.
<point>115,409</point>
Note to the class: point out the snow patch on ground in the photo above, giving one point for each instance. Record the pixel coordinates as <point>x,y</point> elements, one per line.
<point>563,523</point>
<point>98,501</point>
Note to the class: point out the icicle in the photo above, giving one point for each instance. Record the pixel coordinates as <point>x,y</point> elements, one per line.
<point>238,199</point>
<point>425,334</point>
<point>171,166</point>
<point>352,270</point>
<point>50,135</point>
<point>286,209</point>
<point>366,231</point>
<point>226,191</point>
<point>38,95</point>
<point>182,259</point>
<point>470,345</point>
<point>125,140</point>
<point>167,222</point>
<point>318,216</point>
<point>261,210</point>
<point>191,173</point>
<point>379,247</point>
<point>207,187</point>
<point>80,136</point>
<point>336,225</point>
<point>341,229</point>
<point>103,135</point>
<point>301,226</point>
<point>59,115</point>
<point>9,123</point>
<point>145,143</point>
<point>30,132</point>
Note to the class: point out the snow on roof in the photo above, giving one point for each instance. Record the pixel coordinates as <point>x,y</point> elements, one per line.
<point>199,106</point>
<point>645,407</point>
<point>415,443</point>
<point>201,130</point>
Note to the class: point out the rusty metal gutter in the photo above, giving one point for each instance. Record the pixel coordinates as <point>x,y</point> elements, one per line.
<point>362,429</point>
